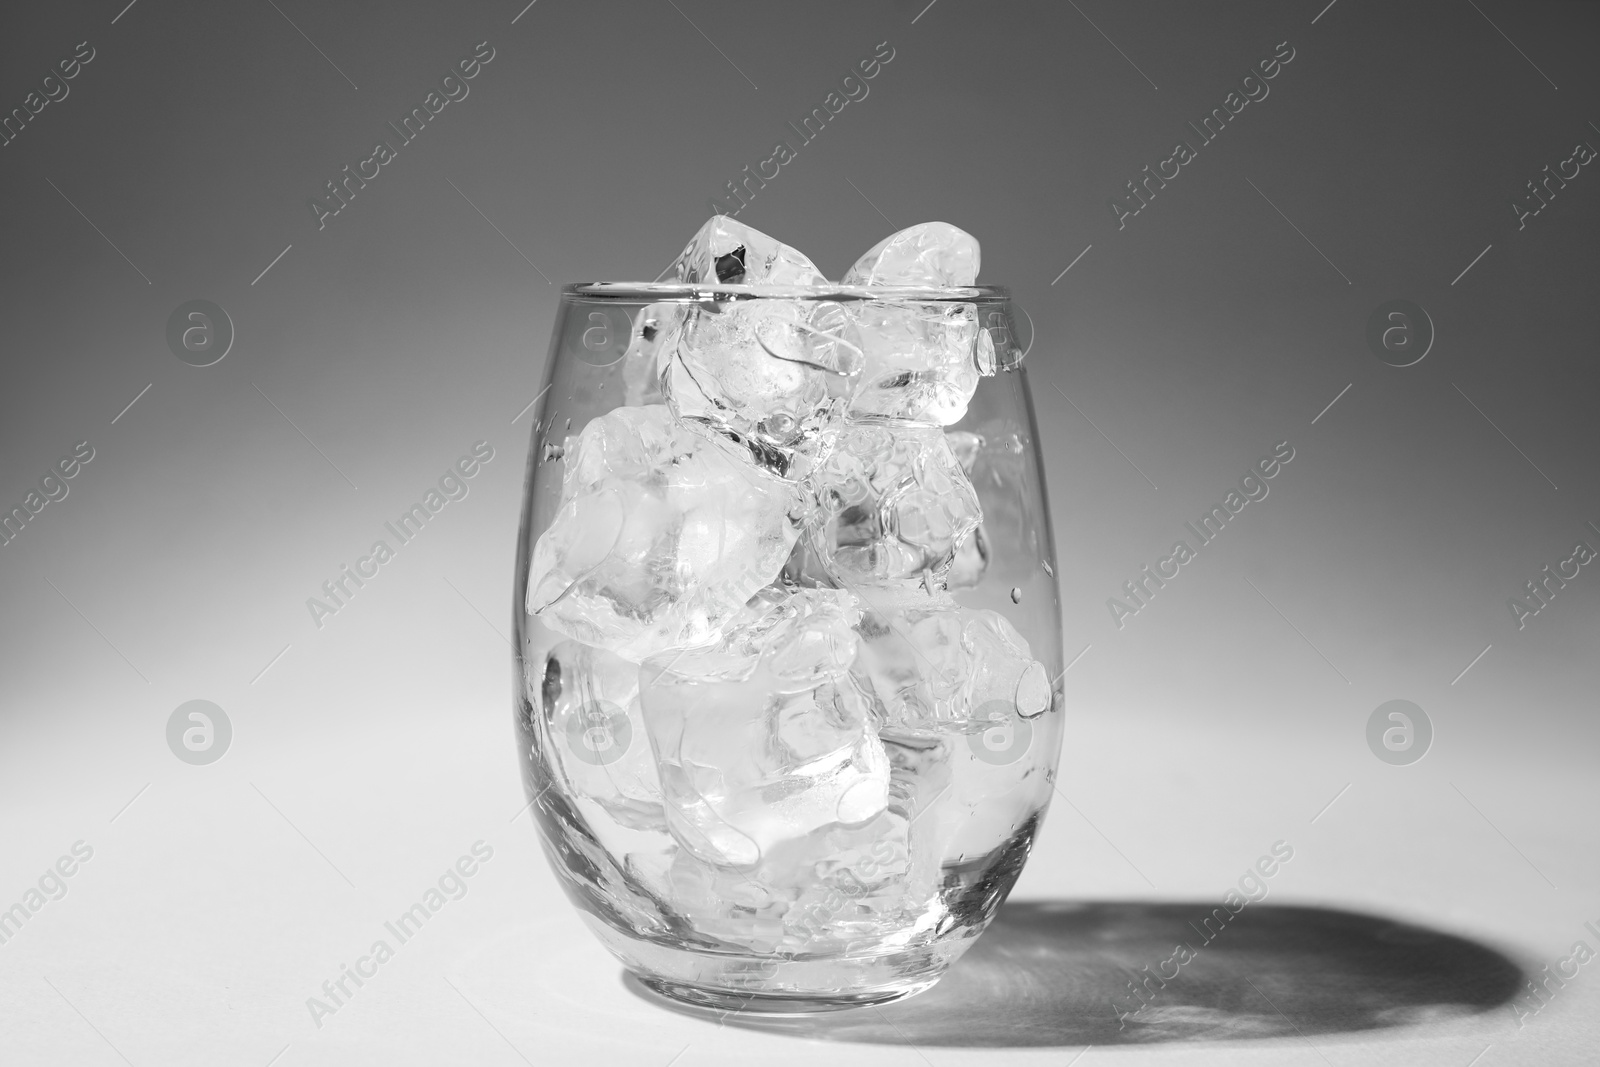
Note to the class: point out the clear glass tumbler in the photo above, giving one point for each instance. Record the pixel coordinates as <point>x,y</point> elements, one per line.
<point>808,781</point>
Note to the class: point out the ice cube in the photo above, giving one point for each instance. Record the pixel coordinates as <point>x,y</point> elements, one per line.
<point>932,666</point>
<point>919,361</point>
<point>887,503</point>
<point>972,559</point>
<point>591,708</point>
<point>746,367</point>
<point>972,556</point>
<point>934,254</point>
<point>727,252</point>
<point>662,535</point>
<point>764,738</point>
<point>655,330</point>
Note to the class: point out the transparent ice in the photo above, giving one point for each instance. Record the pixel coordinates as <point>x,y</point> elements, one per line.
<point>764,738</point>
<point>888,503</point>
<point>655,331</point>
<point>592,699</point>
<point>933,254</point>
<point>727,252</point>
<point>662,535</point>
<point>932,666</point>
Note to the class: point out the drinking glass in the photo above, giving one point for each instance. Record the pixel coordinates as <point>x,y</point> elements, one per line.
<point>877,902</point>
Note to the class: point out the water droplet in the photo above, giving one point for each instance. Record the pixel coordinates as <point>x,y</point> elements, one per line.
<point>1016,595</point>
<point>1051,571</point>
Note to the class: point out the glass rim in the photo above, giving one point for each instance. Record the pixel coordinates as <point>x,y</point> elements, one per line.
<point>682,293</point>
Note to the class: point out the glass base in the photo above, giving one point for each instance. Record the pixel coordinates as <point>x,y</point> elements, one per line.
<point>720,983</point>
<point>722,1001</point>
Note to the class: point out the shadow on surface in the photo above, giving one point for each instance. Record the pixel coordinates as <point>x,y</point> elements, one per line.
<point>1048,973</point>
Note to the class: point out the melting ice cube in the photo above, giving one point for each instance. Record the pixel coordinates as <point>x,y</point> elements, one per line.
<point>662,535</point>
<point>655,330</point>
<point>922,360</point>
<point>747,367</point>
<point>918,361</point>
<point>764,738</point>
<point>727,252</point>
<point>591,707</point>
<point>931,665</point>
<point>972,556</point>
<point>888,503</point>
<point>934,254</point>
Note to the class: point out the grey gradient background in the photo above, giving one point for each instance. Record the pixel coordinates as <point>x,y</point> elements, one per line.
<point>1225,716</point>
